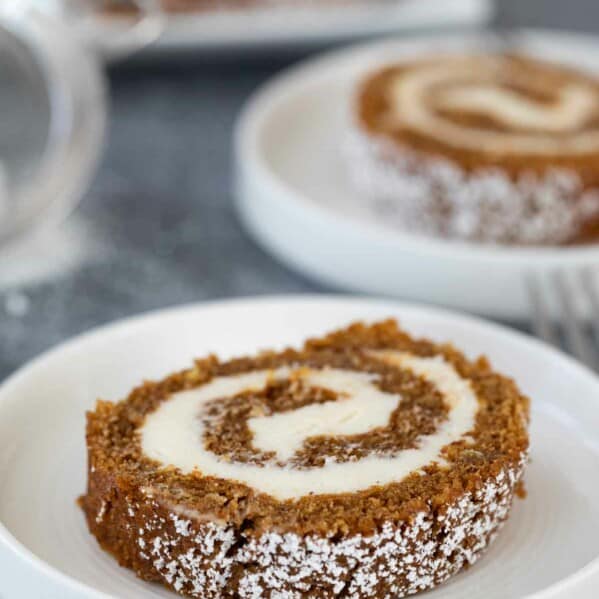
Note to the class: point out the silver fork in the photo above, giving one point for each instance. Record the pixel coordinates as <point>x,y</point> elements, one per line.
<point>575,317</point>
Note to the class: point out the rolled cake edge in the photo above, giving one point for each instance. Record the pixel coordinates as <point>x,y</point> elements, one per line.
<point>435,195</point>
<point>199,556</point>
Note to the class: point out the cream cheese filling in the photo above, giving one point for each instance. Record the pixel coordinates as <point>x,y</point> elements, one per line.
<point>173,434</point>
<point>468,85</point>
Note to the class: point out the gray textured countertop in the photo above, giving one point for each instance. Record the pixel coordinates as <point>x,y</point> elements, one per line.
<point>157,228</point>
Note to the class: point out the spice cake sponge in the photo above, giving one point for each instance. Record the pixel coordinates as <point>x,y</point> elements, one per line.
<point>365,464</point>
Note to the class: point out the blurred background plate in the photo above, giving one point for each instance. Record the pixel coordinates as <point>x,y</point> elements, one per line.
<point>290,29</point>
<point>53,116</point>
<point>271,28</point>
<point>295,197</point>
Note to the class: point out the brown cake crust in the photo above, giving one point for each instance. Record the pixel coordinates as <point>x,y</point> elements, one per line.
<point>209,537</point>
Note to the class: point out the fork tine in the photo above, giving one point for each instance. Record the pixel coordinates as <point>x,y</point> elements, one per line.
<point>573,324</point>
<point>587,279</point>
<point>541,322</point>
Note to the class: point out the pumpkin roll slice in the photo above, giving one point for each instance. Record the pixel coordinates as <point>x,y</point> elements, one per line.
<point>488,147</point>
<point>365,464</point>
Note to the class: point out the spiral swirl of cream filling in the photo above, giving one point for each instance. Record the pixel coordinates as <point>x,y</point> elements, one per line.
<point>422,96</point>
<point>172,435</point>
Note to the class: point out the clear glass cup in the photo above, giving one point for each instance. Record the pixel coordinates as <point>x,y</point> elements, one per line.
<point>52,121</point>
<point>53,102</point>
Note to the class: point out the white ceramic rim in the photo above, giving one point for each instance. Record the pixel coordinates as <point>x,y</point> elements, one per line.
<point>257,111</point>
<point>188,32</point>
<point>588,575</point>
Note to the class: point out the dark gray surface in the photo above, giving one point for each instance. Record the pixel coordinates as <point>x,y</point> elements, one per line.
<point>160,207</point>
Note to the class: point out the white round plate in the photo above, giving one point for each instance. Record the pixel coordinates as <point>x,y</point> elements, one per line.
<point>279,27</point>
<point>295,197</point>
<point>275,27</point>
<point>547,550</point>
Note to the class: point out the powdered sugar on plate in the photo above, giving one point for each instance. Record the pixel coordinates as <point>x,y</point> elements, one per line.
<point>46,254</point>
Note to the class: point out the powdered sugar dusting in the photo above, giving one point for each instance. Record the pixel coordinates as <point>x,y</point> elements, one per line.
<point>205,559</point>
<point>101,512</point>
<point>435,196</point>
